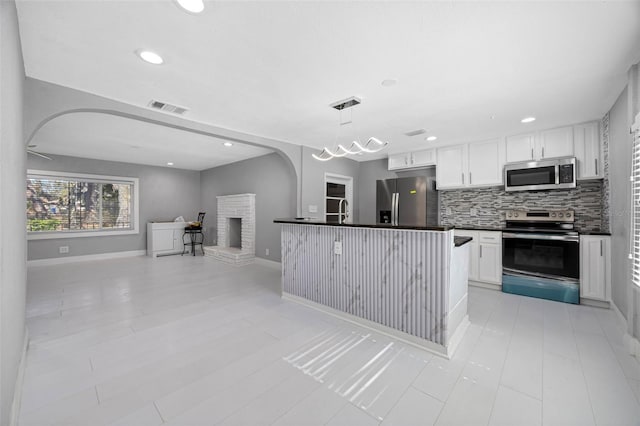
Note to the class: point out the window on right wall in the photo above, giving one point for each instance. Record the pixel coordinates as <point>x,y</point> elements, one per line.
<point>635,202</point>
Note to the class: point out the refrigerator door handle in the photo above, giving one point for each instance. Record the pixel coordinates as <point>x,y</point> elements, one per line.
<point>395,208</point>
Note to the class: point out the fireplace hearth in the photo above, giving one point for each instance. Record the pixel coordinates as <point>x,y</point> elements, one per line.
<point>236,229</point>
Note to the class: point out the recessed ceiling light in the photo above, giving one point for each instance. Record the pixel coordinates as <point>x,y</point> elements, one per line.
<point>193,6</point>
<point>528,120</point>
<point>227,144</point>
<point>432,138</point>
<point>149,56</point>
<point>389,82</point>
<point>169,164</point>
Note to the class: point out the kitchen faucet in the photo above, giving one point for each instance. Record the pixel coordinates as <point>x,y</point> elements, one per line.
<point>345,203</point>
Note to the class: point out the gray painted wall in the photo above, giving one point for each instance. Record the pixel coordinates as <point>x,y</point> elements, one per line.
<point>165,193</point>
<point>271,178</point>
<point>620,144</point>
<point>13,248</point>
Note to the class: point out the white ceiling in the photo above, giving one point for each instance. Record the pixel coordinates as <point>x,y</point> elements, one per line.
<point>271,68</point>
<point>115,138</point>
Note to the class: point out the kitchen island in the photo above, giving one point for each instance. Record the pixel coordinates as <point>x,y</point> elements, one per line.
<point>409,282</point>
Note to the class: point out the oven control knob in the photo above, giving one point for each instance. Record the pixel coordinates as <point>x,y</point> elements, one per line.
<point>553,215</point>
<point>516,214</point>
<point>560,214</point>
<point>510,214</point>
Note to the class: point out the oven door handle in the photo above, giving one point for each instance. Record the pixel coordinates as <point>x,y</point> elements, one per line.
<point>520,273</point>
<point>571,238</point>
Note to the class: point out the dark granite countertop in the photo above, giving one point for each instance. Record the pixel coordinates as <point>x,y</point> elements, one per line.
<point>478,228</point>
<point>361,225</point>
<point>595,232</point>
<point>460,241</point>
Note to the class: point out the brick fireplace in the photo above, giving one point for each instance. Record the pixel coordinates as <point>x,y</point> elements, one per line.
<point>236,229</point>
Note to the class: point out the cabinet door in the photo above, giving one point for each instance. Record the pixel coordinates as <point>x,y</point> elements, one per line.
<point>398,161</point>
<point>556,143</point>
<point>473,252</point>
<point>177,240</point>
<point>489,263</point>
<point>162,240</point>
<point>520,147</point>
<point>593,268</point>
<point>452,167</point>
<point>587,149</point>
<point>425,157</point>
<point>486,160</point>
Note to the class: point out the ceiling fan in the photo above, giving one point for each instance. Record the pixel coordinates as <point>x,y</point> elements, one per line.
<point>39,154</point>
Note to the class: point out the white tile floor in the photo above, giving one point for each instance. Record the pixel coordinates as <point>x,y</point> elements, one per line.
<point>190,341</point>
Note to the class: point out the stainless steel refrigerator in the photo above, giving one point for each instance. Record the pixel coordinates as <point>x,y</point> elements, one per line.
<point>410,201</point>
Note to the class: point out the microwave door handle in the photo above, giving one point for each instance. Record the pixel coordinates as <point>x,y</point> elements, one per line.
<point>557,169</point>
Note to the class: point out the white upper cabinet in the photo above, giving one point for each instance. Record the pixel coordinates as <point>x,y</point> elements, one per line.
<point>555,143</point>
<point>470,165</point>
<point>587,149</point>
<point>545,144</point>
<point>486,160</point>
<point>412,160</point>
<point>452,167</point>
<point>520,147</point>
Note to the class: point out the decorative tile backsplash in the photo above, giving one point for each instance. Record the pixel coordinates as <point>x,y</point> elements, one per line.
<point>482,207</point>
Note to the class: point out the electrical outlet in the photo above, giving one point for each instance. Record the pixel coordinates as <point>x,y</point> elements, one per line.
<point>266,252</point>
<point>448,211</point>
<point>63,249</point>
<point>337,247</point>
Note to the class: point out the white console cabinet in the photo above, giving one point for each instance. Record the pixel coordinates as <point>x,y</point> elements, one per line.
<point>485,258</point>
<point>595,268</point>
<point>165,238</point>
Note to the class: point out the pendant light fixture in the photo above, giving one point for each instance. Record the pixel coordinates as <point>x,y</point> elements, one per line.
<point>339,150</point>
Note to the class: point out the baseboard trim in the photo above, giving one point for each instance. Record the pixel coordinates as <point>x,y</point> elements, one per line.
<point>17,390</point>
<point>496,287</point>
<point>630,343</point>
<point>269,263</point>
<point>85,258</point>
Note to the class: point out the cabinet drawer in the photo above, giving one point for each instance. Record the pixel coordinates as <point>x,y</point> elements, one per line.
<point>490,237</point>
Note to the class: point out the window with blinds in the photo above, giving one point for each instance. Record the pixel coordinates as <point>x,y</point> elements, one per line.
<point>81,205</point>
<point>635,215</point>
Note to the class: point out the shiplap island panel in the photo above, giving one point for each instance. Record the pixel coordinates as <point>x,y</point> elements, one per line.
<point>409,282</point>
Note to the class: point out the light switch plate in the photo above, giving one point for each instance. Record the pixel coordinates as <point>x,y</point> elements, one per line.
<point>313,208</point>
<point>337,247</point>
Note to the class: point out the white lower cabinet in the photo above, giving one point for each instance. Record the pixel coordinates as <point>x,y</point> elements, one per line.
<point>485,258</point>
<point>595,267</point>
<point>165,238</point>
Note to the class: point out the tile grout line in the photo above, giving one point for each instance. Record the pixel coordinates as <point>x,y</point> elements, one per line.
<point>495,397</point>
<point>159,413</point>
<point>586,385</point>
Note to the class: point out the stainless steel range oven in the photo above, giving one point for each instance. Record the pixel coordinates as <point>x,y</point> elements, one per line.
<point>541,255</point>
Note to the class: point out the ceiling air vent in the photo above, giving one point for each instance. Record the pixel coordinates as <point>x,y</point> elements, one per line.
<point>416,132</point>
<point>174,109</point>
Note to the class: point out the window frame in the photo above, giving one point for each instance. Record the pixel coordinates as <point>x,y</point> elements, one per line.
<point>86,177</point>
<point>634,243</point>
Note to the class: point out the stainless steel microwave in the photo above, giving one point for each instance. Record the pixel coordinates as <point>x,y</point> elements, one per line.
<point>554,173</point>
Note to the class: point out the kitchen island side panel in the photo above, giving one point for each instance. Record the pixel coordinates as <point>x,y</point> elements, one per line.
<point>397,278</point>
